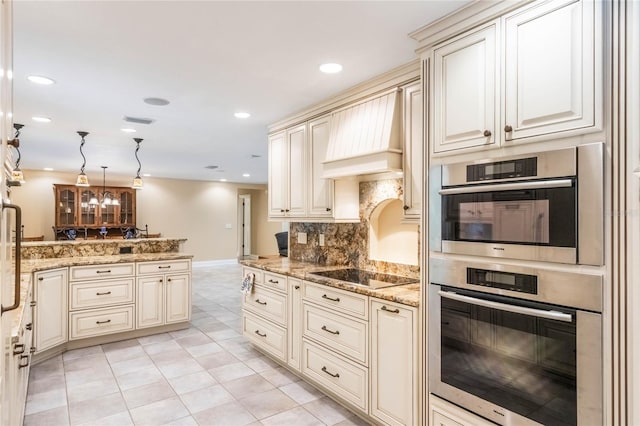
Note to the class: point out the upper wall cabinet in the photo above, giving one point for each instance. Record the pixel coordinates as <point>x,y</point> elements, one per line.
<point>287,162</point>
<point>527,76</point>
<point>412,113</point>
<point>320,189</point>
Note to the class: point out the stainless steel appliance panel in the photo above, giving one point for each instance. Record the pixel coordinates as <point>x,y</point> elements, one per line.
<point>591,204</point>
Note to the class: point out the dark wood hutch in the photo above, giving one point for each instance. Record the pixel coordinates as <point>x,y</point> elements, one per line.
<point>76,217</point>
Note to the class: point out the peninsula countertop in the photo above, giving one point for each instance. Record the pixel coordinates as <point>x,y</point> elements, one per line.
<point>407,294</point>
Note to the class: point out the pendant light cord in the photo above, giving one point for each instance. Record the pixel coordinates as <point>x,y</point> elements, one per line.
<point>138,140</point>
<point>84,159</point>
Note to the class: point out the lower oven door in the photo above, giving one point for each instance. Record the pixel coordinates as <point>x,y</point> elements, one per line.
<point>515,362</point>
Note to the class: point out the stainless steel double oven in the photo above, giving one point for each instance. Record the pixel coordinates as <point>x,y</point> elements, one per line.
<point>515,333</point>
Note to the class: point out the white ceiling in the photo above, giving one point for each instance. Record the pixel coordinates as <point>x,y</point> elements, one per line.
<point>209,59</point>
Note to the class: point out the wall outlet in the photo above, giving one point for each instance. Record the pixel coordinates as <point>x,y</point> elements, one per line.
<point>302,238</point>
<point>321,240</point>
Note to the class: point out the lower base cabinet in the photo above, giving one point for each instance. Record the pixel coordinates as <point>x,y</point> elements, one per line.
<point>51,295</point>
<point>443,413</point>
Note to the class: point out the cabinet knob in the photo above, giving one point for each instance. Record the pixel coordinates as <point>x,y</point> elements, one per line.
<point>328,209</point>
<point>286,210</point>
<point>508,128</point>
<point>405,208</point>
<point>281,210</point>
<point>487,133</point>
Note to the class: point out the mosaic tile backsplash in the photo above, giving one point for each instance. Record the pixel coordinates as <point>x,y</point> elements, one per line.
<point>347,244</point>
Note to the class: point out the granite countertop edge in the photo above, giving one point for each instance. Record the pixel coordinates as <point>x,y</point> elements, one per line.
<point>407,294</point>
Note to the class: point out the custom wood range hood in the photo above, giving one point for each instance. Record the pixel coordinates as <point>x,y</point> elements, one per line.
<point>366,138</point>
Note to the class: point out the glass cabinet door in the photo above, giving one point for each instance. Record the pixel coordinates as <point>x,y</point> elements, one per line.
<point>66,207</point>
<point>87,210</point>
<point>127,210</point>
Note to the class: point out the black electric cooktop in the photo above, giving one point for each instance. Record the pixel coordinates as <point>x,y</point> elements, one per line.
<point>365,278</point>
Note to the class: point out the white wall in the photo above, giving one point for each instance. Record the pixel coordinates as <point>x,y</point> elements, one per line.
<point>196,210</point>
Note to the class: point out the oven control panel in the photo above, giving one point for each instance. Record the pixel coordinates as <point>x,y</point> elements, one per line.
<point>504,280</point>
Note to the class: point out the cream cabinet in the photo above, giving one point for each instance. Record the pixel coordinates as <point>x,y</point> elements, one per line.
<point>294,324</point>
<point>412,113</point>
<point>51,297</point>
<point>320,189</point>
<point>265,313</point>
<point>163,293</point>
<point>287,172</point>
<point>394,363</point>
<point>443,413</point>
<point>533,74</point>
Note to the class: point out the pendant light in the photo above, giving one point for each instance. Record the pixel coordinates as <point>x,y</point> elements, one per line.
<point>17,177</point>
<point>82,179</point>
<point>106,198</point>
<point>137,181</point>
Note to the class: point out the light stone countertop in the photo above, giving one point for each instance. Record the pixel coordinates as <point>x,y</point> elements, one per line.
<point>408,294</point>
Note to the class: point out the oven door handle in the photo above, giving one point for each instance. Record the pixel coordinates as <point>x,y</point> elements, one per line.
<point>552,315</point>
<point>541,184</point>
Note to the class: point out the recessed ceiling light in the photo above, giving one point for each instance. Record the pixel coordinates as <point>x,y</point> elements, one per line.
<point>48,169</point>
<point>128,130</point>
<point>330,68</point>
<point>156,101</point>
<point>41,119</point>
<point>146,174</point>
<point>38,79</point>
<point>223,180</point>
<point>246,175</point>
<point>242,115</point>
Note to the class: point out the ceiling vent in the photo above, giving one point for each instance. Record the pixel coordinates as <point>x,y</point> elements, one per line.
<point>138,120</point>
<point>211,167</point>
<point>365,138</point>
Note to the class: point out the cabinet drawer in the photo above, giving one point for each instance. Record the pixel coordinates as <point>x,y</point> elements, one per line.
<point>164,267</point>
<point>258,274</point>
<point>347,336</point>
<point>100,321</point>
<point>265,335</point>
<point>93,294</point>
<point>267,303</point>
<point>344,378</point>
<point>112,270</point>
<point>275,281</point>
<point>338,300</point>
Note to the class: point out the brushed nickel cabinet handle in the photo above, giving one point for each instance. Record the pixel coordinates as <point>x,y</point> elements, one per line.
<point>487,133</point>
<point>337,299</point>
<point>104,293</point>
<point>508,128</point>
<point>23,364</point>
<point>324,327</point>
<point>260,302</point>
<point>164,267</point>
<point>103,322</point>
<point>393,311</point>
<point>29,326</point>
<point>274,281</point>
<point>18,348</point>
<point>260,334</point>
<point>108,271</point>
<point>336,375</point>
<point>33,303</point>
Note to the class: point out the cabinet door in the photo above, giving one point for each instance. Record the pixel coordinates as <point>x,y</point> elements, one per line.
<point>51,308</point>
<point>88,208</point>
<point>412,155</point>
<point>297,141</point>
<point>394,389</point>
<point>278,174</point>
<point>66,205</point>
<point>177,298</point>
<point>127,212</point>
<point>549,69</point>
<point>465,111</point>
<point>150,304</point>
<point>294,325</point>
<point>321,199</point>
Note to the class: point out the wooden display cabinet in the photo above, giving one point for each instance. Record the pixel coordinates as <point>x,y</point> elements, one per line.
<point>73,211</point>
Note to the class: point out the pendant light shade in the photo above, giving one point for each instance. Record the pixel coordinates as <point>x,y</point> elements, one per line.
<point>137,181</point>
<point>82,179</point>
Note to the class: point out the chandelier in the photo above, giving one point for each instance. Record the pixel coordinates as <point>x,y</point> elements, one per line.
<point>106,197</point>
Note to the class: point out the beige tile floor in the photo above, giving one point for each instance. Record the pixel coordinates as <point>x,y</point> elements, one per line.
<point>205,375</point>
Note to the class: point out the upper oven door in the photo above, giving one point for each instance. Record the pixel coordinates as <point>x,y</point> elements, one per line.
<point>532,220</point>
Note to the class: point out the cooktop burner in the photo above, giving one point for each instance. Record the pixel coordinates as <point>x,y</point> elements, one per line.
<point>366,278</point>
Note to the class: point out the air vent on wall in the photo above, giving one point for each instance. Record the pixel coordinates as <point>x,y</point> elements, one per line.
<point>211,167</point>
<point>138,120</point>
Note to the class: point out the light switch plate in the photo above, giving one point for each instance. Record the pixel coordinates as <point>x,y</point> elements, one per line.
<point>302,238</point>
<point>321,239</point>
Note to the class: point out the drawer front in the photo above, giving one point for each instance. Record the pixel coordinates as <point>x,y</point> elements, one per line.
<point>94,294</point>
<point>344,378</point>
<point>112,270</point>
<point>97,322</point>
<point>267,303</point>
<point>347,336</point>
<point>265,335</point>
<point>164,267</point>
<point>338,300</point>
<point>275,281</point>
<point>258,274</point>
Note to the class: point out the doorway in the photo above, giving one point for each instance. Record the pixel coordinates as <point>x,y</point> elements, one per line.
<point>244,219</point>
